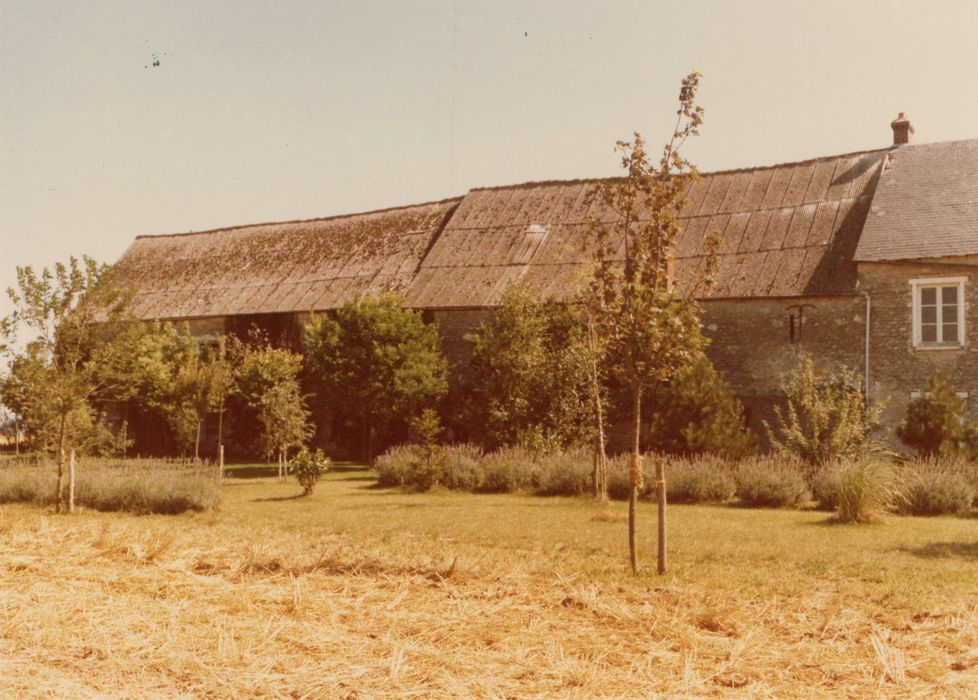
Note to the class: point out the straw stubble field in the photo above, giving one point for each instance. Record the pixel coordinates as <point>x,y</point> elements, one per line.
<point>359,593</point>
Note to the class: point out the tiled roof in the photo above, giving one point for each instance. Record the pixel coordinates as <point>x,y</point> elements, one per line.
<point>926,204</point>
<point>276,267</point>
<point>787,230</point>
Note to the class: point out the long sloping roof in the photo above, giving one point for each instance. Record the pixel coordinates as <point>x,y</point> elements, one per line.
<point>926,204</point>
<point>786,230</point>
<point>277,267</point>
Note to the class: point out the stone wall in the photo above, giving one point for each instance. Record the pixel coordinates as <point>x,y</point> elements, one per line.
<point>751,342</point>
<point>897,368</point>
<point>755,343</point>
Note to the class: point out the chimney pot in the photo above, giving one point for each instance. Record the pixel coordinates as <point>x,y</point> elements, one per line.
<point>902,130</point>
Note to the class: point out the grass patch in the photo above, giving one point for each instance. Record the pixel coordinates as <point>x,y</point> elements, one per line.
<point>378,592</point>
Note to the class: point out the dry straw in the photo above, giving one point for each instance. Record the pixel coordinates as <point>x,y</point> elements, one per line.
<point>122,606</point>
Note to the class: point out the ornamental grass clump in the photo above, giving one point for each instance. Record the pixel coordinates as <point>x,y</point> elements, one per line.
<point>866,489</point>
<point>937,486</point>
<point>771,481</point>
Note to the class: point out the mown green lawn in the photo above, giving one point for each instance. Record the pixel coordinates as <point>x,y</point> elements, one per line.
<point>909,562</point>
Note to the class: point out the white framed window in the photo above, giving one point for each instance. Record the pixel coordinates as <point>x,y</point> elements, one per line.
<point>938,312</point>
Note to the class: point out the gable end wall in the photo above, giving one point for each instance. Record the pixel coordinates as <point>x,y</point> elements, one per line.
<point>897,368</point>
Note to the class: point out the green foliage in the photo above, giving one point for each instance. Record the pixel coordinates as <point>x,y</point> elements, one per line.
<point>825,419</point>
<point>426,428</point>
<point>935,423</point>
<point>771,482</point>
<point>867,488</point>
<point>696,412</point>
<point>529,360</point>
<point>374,364</point>
<point>267,378</point>
<point>67,320</point>
<point>309,468</point>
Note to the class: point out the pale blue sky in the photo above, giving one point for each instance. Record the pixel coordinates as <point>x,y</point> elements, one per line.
<point>281,110</point>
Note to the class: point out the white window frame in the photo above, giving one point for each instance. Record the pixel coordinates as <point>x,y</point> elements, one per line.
<point>939,282</point>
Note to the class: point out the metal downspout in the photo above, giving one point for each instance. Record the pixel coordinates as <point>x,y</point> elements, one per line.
<point>869,311</point>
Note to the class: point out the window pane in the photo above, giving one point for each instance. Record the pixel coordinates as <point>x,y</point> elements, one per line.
<point>928,332</point>
<point>928,295</point>
<point>949,295</point>
<point>950,332</point>
<point>928,314</point>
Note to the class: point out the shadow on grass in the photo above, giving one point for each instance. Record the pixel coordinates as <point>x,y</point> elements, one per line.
<point>278,498</point>
<point>944,550</point>
<point>262,471</point>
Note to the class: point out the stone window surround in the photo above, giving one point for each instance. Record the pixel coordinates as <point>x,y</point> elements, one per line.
<point>939,282</point>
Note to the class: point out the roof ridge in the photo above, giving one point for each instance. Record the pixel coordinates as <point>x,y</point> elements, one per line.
<point>334,217</point>
<point>574,181</point>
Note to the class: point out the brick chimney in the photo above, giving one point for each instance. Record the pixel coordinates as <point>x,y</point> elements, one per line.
<point>902,130</point>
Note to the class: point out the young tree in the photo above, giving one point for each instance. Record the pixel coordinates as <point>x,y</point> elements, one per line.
<point>697,412</point>
<point>268,380</point>
<point>69,317</point>
<point>650,330</point>
<point>826,417</point>
<point>936,422</point>
<point>375,364</point>
<point>530,361</point>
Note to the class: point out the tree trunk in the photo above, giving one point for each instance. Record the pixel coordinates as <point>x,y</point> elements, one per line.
<point>197,442</point>
<point>71,482</point>
<point>220,435</point>
<point>634,474</point>
<point>599,477</point>
<point>125,428</point>
<point>59,489</point>
<point>370,446</point>
<point>220,462</point>
<point>660,485</point>
<point>16,439</point>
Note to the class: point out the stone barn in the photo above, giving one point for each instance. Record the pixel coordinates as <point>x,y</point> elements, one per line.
<point>865,260</point>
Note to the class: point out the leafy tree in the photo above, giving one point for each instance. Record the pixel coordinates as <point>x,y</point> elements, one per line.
<point>69,317</point>
<point>426,429</point>
<point>936,422</point>
<point>650,329</point>
<point>268,380</point>
<point>530,362</point>
<point>375,364</point>
<point>162,368</point>
<point>826,418</point>
<point>696,411</point>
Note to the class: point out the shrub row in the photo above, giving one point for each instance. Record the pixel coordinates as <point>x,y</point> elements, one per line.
<point>859,489</point>
<point>144,490</point>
